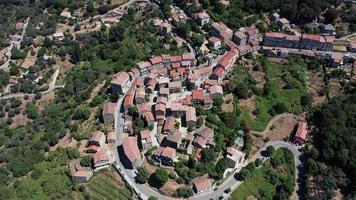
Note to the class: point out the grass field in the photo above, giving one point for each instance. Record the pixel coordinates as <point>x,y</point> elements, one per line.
<point>285,85</point>
<point>258,183</point>
<point>106,185</point>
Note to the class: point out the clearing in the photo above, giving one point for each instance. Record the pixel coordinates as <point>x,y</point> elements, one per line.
<point>259,184</point>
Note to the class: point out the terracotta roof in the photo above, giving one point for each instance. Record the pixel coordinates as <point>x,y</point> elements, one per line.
<point>201,183</point>
<point>177,107</point>
<point>226,60</point>
<point>161,100</point>
<point>169,123</point>
<point>218,71</point>
<point>191,114</point>
<point>111,136</point>
<point>97,136</point>
<point>148,116</point>
<point>120,78</point>
<point>283,21</point>
<point>203,15</point>
<point>176,137</point>
<point>302,130</point>
<point>109,108</point>
<point>140,93</point>
<point>176,59</point>
<point>200,141</point>
<point>82,173</point>
<point>167,152</point>
<point>216,89</point>
<point>240,35</point>
<point>175,84</point>
<point>160,107</point>
<point>188,56</point>
<point>207,133</point>
<point>128,101</point>
<point>156,60</point>
<point>130,148</point>
<point>230,44</point>
<point>198,94</point>
<point>176,65</point>
<point>142,108</point>
<point>164,91</point>
<point>146,135</point>
<point>210,82</point>
<point>93,148</point>
<point>143,64</point>
<point>202,70</point>
<point>100,156</point>
<point>214,40</point>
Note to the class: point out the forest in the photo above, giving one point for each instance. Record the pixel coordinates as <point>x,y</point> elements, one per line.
<point>332,161</point>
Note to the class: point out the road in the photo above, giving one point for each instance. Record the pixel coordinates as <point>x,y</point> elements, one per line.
<point>271,122</point>
<point>348,54</point>
<point>6,64</point>
<point>51,87</point>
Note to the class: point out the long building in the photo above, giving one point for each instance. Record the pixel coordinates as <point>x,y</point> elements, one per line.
<point>306,41</point>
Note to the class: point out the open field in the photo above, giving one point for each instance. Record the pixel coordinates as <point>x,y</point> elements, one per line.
<point>259,185</point>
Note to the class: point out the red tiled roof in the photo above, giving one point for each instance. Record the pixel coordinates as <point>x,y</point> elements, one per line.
<point>148,116</point>
<point>156,60</point>
<point>128,101</point>
<point>160,107</point>
<point>302,130</point>
<point>218,71</point>
<point>169,123</point>
<point>146,135</point>
<point>198,94</point>
<point>191,114</point>
<point>130,148</point>
<point>214,40</point>
<point>176,59</point>
<point>120,78</point>
<point>100,157</point>
<point>201,183</point>
<point>109,108</point>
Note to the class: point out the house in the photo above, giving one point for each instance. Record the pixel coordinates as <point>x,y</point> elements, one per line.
<point>111,137</point>
<point>165,28</point>
<point>160,109</point>
<point>275,17</point>
<point>163,82</point>
<point>214,43</point>
<point>175,87</point>
<point>156,61</point>
<point>207,101</point>
<point>252,33</point>
<point>173,140</point>
<point>177,109</point>
<point>234,157</point>
<point>202,137</point>
<point>58,36</point>
<point>143,67</point>
<point>198,96</point>
<point>169,125</point>
<point>276,39</point>
<point>218,74</point>
<point>145,139</point>
<point>301,134</point>
<point>221,31</point>
<point>120,83</point>
<point>283,23</point>
<point>97,139</point>
<point>201,184</point>
<point>109,112</point>
<point>151,85</point>
<point>140,95</point>
<point>328,29</point>
<point>227,60</point>
<point>203,18</point>
<point>216,91</point>
<point>132,152</point>
<point>191,117</point>
<point>128,102</point>
<point>188,60</point>
<point>316,42</point>
<point>175,59</point>
<point>240,38</point>
<point>134,73</point>
<point>101,159</point>
<point>149,118</point>
<point>143,108</point>
<point>82,176</point>
<point>165,155</point>
<point>336,60</point>
<point>164,92</point>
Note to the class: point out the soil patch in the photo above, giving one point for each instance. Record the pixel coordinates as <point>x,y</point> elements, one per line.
<point>281,128</point>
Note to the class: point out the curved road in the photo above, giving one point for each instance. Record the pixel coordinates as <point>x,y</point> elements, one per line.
<point>272,121</point>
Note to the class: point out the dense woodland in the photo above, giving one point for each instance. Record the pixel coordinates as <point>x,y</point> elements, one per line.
<point>331,163</point>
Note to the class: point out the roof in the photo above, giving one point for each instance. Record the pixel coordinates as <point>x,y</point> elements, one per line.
<point>164,91</point>
<point>142,108</point>
<point>161,99</point>
<point>226,60</point>
<point>148,116</point>
<point>130,148</point>
<point>302,130</point>
<point>169,123</point>
<point>198,94</point>
<point>109,108</point>
<point>111,136</point>
<point>82,173</point>
<point>207,133</point>
<point>100,156</point>
<point>191,114</point>
<point>128,101</point>
<point>251,31</point>
<point>202,70</point>
<point>175,84</point>
<point>160,107</point>
<point>156,60</point>
<point>234,154</point>
<point>167,152</point>
<point>199,140</point>
<point>188,56</point>
<point>143,64</point>
<point>203,15</point>
<point>218,71</point>
<point>97,136</point>
<point>140,93</point>
<point>176,58</point>
<point>283,21</point>
<point>176,65</point>
<point>146,135</point>
<point>216,89</point>
<point>120,78</point>
<point>240,35</point>
<point>214,39</point>
<point>176,137</point>
<point>163,80</point>
<point>201,183</point>
<point>177,107</point>
<point>210,82</point>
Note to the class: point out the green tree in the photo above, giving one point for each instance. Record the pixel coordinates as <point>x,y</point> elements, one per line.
<point>31,110</point>
<point>86,161</point>
<point>270,150</point>
<point>142,175</point>
<point>161,176</point>
<point>184,192</point>
<point>208,155</point>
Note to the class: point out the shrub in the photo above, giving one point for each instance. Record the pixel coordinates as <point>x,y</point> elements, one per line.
<point>86,161</point>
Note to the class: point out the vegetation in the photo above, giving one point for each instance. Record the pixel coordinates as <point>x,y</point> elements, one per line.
<point>331,161</point>
<point>160,176</point>
<point>269,181</point>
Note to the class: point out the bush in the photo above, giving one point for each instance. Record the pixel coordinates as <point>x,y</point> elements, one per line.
<point>11,113</point>
<point>180,180</point>
<point>86,161</point>
<point>161,177</point>
<point>142,175</point>
<point>172,175</point>
<point>269,151</point>
<point>17,110</point>
<point>184,192</point>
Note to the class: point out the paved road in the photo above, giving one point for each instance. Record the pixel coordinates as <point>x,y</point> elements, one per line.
<point>349,54</point>
<point>271,122</point>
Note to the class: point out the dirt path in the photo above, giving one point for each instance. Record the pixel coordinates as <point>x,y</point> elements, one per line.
<point>271,122</point>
